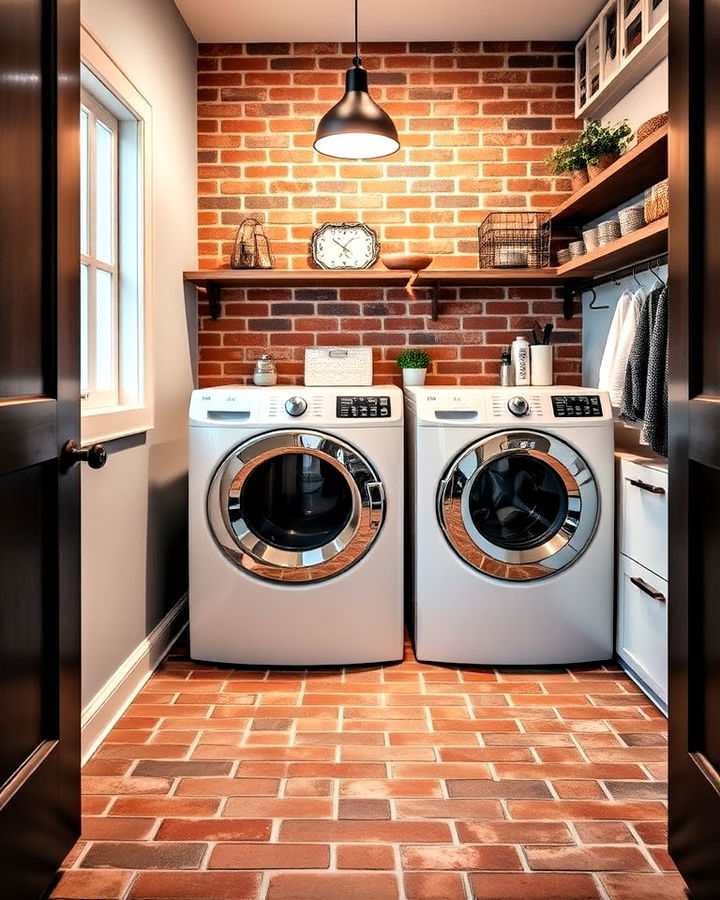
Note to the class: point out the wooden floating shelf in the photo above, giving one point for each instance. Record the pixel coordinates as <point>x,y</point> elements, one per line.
<point>639,168</point>
<point>215,280</point>
<point>652,240</point>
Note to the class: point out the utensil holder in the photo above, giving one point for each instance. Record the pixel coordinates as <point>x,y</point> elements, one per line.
<point>541,364</point>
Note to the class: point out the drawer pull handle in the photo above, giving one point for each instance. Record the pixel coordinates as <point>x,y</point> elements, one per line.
<point>643,485</point>
<point>650,591</point>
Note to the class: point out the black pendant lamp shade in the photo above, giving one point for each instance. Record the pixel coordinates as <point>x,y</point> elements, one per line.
<point>356,127</point>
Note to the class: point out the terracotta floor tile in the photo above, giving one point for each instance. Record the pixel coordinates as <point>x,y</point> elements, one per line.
<point>269,856</point>
<point>331,886</point>
<point>224,829</point>
<point>645,887</point>
<point>434,886</point>
<point>403,787</point>
<point>409,780</point>
<point>143,855</point>
<point>84,885</point>
<point>360,856</point>
<point>196,886</point>
<point>534,886</point>
<point>467,858</point>
<point>587,859</point>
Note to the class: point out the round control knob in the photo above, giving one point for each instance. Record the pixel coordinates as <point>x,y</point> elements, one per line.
<point>295,406</point>
<point>518,406</point>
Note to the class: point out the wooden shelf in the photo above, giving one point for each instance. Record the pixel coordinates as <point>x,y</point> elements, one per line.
<point>638,169</point>
<point>642,244</point>
<point>215,280</point>
<point>652,240</point>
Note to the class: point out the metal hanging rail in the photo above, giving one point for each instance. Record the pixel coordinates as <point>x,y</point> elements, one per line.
<point>576,289</point>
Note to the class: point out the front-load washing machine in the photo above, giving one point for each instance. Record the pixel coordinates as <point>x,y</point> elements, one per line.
<point>296,518</point>
<point>511,522</point>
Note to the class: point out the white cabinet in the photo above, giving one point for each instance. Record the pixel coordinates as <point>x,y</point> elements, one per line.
<point>627,39</point>
<point>642,571</point>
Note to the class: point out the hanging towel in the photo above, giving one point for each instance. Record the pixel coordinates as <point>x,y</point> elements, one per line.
<point>627,336</point>
<point>655,420</point>
<point>611,344</point>
<point>632,405</point>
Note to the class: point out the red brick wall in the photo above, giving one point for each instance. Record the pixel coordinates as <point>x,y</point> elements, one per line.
<point>476,122</point>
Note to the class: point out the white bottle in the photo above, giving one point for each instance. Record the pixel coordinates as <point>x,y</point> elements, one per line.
<point>520,352</point>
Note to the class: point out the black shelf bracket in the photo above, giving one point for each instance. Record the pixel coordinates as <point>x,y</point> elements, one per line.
<point>213,295</point>
<point>434,296</point>
<point>570,291</point>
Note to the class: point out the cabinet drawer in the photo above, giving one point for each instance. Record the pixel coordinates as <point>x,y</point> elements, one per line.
<point>642,624</point>
<point>643,516</point>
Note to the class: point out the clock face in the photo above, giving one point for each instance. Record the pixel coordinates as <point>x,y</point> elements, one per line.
<point>344,246</point>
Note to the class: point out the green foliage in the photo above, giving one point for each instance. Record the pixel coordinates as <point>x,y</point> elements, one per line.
<point>567,158</point>
<point>598,139</point>
<point>413,359</point>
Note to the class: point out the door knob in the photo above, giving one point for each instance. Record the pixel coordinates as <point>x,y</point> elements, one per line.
<point>95,456</point>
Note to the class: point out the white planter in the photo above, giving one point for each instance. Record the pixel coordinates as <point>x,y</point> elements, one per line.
<point>413,377</point>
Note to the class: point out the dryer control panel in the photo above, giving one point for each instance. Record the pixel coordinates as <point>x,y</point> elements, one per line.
<point>583,406</point>
<point>363,407</point>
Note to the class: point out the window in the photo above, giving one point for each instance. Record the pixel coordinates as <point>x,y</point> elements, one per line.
<point>115,196</point>
<point>98,255</point>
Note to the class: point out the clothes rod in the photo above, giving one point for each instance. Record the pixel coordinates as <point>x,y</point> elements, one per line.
<point>642,265</point>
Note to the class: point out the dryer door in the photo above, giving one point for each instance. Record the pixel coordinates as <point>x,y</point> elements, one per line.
<point>518,505</point>
<point>295,506</point>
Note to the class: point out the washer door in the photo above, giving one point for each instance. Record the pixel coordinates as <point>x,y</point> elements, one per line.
<point>295,506</point>
<point>518,505</point>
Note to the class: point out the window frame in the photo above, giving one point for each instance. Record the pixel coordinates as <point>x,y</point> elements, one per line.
<point>96,399</point>
<point>133,411</point>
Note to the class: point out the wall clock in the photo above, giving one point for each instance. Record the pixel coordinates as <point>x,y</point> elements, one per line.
<point>343,245</point>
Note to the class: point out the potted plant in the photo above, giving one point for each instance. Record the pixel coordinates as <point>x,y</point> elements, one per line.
<point>414,365</point>
<point>568,158</point>
<point>601,144</point>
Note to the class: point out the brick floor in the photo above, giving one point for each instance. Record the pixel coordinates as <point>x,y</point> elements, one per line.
<point>406,782</point>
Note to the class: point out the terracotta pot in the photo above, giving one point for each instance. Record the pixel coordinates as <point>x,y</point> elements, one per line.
<point>607,159</point>
<point>578,179</point>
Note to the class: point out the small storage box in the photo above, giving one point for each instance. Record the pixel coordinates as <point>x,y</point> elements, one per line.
<point>338,366</point>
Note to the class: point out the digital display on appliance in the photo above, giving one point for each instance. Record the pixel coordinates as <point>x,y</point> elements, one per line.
<point>363,407</point>
<point>568,406</point>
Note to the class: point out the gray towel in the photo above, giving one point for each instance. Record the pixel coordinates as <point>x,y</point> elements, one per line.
<point>632,406</point>
<point>655,418</point>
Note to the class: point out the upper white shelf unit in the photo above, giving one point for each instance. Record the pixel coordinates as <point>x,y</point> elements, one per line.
<point>626,40</point>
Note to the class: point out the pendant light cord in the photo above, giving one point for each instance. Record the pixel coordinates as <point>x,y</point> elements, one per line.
<point>356,61</point>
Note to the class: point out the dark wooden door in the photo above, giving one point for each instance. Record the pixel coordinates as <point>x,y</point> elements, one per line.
<point>39,410</point>
<point>694,606</point>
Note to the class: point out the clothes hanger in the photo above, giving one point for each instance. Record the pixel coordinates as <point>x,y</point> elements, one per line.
<point>636,279</point>
<point>657,274</point>
<point>593,304</point>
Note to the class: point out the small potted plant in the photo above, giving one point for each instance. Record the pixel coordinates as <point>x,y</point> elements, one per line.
<point>601,145</point>
<point>414,365</point>
<point>568,159</point>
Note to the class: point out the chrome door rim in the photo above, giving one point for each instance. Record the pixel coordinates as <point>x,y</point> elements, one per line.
<point>265,560</point>
<point>555,553</point>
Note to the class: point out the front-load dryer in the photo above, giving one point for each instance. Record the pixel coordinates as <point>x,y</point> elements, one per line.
<point>511,524</point>
<point>296,518</point>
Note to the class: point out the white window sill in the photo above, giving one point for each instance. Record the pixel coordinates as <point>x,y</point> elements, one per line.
<point>109,423</point>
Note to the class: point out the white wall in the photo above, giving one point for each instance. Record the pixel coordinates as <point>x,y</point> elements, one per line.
<point>134,558</point>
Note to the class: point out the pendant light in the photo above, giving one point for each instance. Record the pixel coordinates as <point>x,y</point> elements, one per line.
<point>356,127</point>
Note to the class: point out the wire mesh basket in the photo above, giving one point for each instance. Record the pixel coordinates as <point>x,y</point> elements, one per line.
<point>514,240</point>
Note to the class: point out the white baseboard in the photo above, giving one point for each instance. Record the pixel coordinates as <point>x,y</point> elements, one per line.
<point>113,698</point>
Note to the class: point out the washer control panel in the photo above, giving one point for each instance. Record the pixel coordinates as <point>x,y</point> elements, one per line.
<point>363,407</point>
<point>518,406</point>
<point>573,406</point>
